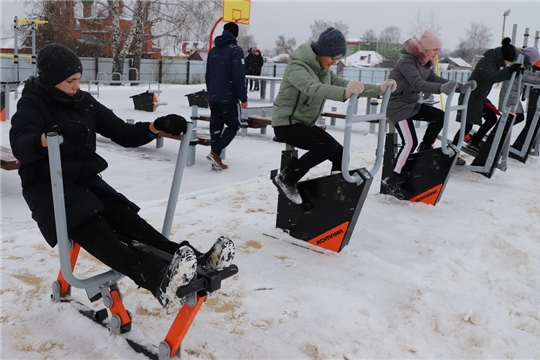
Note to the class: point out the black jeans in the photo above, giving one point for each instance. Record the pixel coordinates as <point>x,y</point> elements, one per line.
<point>321,146</point>
<point>103,237</point>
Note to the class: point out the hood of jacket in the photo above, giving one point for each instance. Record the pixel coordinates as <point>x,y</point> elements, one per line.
<point>413,47</point>
<point>225,39</point>
<point>305,54</point>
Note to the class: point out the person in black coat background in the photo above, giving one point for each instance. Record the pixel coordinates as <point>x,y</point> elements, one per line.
<point>100,219</point>
<point>254,64</point>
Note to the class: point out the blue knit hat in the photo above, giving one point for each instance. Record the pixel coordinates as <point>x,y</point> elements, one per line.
<point>331,43</point>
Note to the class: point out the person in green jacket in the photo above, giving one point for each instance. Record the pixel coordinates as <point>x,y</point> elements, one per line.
<point>307,83</point>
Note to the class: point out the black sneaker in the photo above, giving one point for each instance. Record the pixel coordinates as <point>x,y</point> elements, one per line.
<point>393,184</point>
<point>219,256</point>
<point>424,147</point>
<point>180,272</point>
<point>289,191</point>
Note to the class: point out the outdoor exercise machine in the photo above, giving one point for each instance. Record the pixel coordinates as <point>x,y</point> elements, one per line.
<point>429,170</point>
<point>530,132</point>
<point>332,203</point>
<point>104,285</point>
<point>494,149</point>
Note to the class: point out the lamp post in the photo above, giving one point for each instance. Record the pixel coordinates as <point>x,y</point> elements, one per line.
<point>506,13</point>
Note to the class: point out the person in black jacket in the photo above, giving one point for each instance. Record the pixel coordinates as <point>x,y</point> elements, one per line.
<point>254,64</point>
<point>101,220</point>
<point>226,84</point>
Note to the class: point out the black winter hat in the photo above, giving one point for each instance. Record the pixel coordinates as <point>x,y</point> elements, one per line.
<point>331,43</point>
<point>509,51</point>
<point>56,63</point>
<point>232,27</point>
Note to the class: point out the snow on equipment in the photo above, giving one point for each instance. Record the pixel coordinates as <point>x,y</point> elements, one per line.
<point>429,170</point>
<point>331,204</point>
<point>104,286</point>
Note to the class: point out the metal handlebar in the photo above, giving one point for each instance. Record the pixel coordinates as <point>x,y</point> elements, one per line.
<point>351,119</point>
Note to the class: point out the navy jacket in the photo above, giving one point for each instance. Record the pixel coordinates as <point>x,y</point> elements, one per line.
<point>226,71</point>
<point>37,110</point>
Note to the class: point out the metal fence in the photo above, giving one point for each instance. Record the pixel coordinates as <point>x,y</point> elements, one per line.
<point>187,72</point>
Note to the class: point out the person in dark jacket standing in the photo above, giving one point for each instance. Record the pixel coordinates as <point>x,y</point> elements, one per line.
<point>414,74</point>
<point>490,69</point>
<point>254,64</point>
<point>101,220</point>
<point>226,85</point>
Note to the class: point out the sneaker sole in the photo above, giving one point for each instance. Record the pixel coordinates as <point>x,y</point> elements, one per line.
<point>184,264</point>
<point>210,158</point>
<point>223,256</point>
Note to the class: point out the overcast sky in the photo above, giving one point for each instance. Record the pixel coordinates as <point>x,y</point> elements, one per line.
<point>270,19</point>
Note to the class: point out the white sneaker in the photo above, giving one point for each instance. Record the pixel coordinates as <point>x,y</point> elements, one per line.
<point>180,272</point>
<point>289,191</point>
<point>219,256</point>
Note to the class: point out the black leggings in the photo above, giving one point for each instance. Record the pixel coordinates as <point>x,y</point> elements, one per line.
<point>103,237</point>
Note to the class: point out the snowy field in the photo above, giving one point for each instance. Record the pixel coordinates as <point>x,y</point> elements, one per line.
<point>457,280</point>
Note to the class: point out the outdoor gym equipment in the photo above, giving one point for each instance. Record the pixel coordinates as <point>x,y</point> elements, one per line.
<point>332,203</point>
<point>494,149</point>
<point>429,170</point>
<point>104,285</point>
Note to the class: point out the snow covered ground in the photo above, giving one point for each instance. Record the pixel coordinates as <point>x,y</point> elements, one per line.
<point>457,280</point>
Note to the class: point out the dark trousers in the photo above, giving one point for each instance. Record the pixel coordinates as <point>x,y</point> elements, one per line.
<point>103,237</point>
<point>490,119</point>
<point>407,132</point>
<point>321,146</point>
<point>224,124</point>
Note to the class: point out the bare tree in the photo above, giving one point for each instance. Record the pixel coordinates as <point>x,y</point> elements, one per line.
<point>284,46</point>
<point>245,40</point>
<point>477,37</point>
<point>389,44</point>
<point>369,36</point>
<point>420,24</point>
<point>319,26</point>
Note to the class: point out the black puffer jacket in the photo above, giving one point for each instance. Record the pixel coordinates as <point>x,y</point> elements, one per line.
<point>41,107</point>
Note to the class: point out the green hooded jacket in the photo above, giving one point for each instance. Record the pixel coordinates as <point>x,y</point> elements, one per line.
<point>305,88</point>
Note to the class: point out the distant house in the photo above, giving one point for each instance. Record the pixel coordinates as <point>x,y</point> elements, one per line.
<point>355,45</point>
<point>455,63</point>
<point>188,50</point>
<point>364,58</point>
<point>281,58</point>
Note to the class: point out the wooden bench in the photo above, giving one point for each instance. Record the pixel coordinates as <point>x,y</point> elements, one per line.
<point>202,139</point>
<point>8,161</point>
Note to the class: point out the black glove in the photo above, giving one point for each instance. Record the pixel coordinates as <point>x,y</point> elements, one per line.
<point>514,67</point>
<point>172,124</point>
<point>75,133</point>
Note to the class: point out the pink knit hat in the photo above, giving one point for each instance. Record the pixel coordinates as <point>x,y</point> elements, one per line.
<point>430,41</point>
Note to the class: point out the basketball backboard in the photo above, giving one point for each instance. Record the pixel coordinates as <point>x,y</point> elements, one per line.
<point>236,11</point>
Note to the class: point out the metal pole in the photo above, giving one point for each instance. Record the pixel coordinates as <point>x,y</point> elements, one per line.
<point>177,180</point>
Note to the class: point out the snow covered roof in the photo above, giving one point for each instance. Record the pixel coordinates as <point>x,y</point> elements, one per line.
<point>281,58</point>
<point>363,58</point>
<point>456,61</point>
